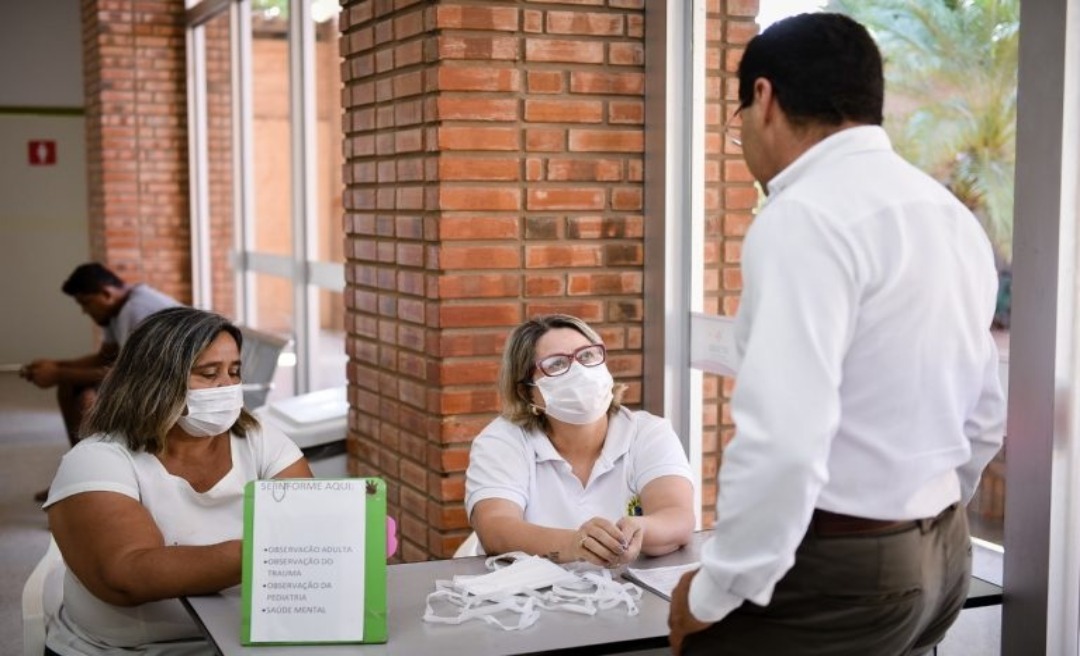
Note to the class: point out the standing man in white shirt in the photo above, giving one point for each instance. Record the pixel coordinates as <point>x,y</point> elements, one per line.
<point>867,401</point>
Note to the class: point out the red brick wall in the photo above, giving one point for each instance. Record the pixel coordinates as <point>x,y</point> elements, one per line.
<point>730,197</point>
<point>137,157</point>
<point>494,172</point>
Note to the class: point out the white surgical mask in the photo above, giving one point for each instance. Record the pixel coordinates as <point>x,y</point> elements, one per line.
<point>580,396</point>
<point>211,410</point>
<point>524,588</point>
<point>528,573</point>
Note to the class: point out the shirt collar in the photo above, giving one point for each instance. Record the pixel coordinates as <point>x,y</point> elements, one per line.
<point>616,442</point>
<point>838,144</point>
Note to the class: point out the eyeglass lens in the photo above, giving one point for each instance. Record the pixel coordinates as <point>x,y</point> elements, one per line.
<point>559,363</point>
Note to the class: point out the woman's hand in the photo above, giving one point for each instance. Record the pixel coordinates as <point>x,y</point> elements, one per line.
<point>600,542</point>
<point>633,532</point>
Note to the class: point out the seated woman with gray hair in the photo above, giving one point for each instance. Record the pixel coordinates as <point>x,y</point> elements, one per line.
<point>567,472</point>
<point>149,506</point>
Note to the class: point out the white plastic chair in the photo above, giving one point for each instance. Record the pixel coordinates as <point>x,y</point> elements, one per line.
<point>259,357</point>
<point>41,598</point>
<point>470,547</point>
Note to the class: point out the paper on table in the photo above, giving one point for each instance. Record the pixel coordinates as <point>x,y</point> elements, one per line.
<point>660,580</point>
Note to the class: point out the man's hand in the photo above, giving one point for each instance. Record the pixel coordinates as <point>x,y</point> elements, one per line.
<point>681,621</point>
<point>43,373</point>
<point>27,370</point>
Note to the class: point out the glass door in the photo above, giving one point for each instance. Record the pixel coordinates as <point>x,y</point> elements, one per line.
<point>267,177</point>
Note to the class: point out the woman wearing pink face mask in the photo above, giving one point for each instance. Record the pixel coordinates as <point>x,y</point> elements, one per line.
<point>566,472</point>
<point>149,506</point>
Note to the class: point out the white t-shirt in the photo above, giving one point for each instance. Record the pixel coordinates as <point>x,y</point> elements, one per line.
<point>87,625</point>
<point>507,462</point>
<point>142,301</point>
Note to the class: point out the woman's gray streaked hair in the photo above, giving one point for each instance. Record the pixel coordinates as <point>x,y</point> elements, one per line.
<point>519,361</point>
<point>145,391</point>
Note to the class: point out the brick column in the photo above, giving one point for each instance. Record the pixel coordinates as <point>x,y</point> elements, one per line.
<point>730,198</point>
<point>494,172</point>
<point>136,106</point>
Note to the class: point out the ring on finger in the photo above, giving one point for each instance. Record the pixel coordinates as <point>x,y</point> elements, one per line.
<point>581,543</point>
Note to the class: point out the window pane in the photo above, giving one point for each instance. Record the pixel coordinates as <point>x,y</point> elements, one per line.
<point>329,239</point>
<point>221,180</point>
<point>274,314</point>
<point>271,147</point>
<point>953,115</point>
<point>329,369</point>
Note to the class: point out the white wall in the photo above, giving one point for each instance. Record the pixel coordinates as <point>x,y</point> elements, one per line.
<point>43,235</point>
<point>43,209</point>
<point>40,53</point>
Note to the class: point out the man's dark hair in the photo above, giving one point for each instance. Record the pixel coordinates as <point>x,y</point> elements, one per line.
<point>824,68</point>
<point>90,278</point>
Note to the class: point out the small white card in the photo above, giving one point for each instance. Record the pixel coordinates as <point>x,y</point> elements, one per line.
<point>712,344</point>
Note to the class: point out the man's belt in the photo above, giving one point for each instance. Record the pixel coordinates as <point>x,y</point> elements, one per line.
<point>830,524</point>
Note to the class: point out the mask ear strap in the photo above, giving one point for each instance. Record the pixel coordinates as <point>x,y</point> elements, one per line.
<point>527,398</point>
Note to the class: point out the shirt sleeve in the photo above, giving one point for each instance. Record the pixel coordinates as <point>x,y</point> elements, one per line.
<point>657,452</point>
<point>108,335</point>
<point>94,465</point>
<point>498,466</point>
<point>274,451</point>
<point>795,320</point>
<point>984,426</point>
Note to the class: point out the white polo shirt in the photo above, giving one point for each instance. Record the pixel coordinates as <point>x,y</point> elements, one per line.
<point>508,462</point>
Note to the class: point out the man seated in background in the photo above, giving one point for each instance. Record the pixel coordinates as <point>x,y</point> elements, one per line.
<point>115,306</point>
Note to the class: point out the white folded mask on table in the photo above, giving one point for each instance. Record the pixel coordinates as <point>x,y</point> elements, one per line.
<point>524,587</point>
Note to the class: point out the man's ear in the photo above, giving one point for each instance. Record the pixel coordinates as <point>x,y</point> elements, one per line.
<point>764,98</point>
<point>111,294</point>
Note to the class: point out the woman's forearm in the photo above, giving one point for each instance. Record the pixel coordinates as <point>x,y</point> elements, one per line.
<point>666,530</point>
<point>172,571</point>
<point>501,535</point>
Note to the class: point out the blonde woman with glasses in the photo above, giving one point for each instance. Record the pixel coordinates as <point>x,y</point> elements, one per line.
<point>567,472</point>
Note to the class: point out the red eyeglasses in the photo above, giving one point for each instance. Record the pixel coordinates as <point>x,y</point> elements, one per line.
<point>558,364</point>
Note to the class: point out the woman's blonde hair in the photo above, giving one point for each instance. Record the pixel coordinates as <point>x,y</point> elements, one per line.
<point>519,362</point>
<point>145,391</point>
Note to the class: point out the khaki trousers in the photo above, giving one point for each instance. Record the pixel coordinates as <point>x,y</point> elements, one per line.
<point>892,593</point>
<point>75,401</point>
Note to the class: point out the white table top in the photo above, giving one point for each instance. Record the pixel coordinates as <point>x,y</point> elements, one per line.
<point>408,585</point>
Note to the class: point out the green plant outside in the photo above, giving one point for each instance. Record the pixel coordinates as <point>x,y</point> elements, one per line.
<point>951,79</point>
